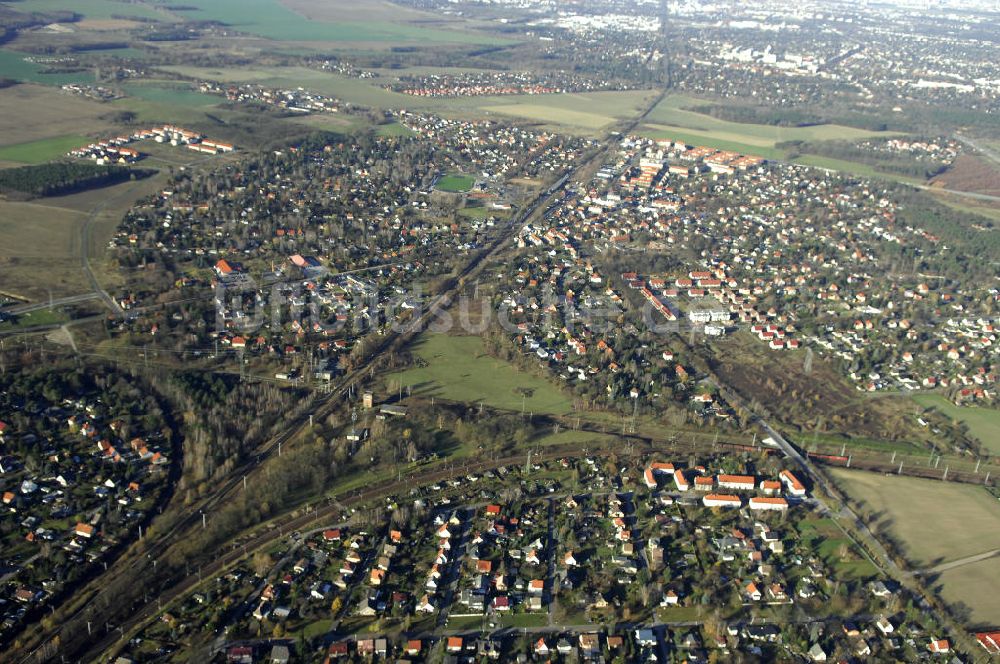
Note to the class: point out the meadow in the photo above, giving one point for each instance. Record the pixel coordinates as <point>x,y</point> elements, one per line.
<point>974,585</point>
<point>935,521</point>
<point>42,150</point>
<point>983,423</point>
<point>458,369</point>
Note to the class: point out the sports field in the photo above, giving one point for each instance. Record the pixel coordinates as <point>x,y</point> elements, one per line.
<point>935,521</point>
<point>455,183</point>
<point>459,370</point>
<point>42,150</point>
<point>983,423</point>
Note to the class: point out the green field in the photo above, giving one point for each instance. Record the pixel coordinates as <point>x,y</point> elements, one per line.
<point>394,129</point>
<point>34,318</point>
<point>95,9</point>
<point>459,370</point>
<point>455,183</point>
<point>172,95</point>
<point>559,111</point>
<point>13,65</point>
<point>935,521</point>
<point>46,149</point>
<point>672,119</point>
<point>270,19</point>
<point>976,586</point>
<point>983,423</point>
<point>673,112</point>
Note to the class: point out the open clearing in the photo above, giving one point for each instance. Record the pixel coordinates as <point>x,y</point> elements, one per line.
<point>983,423</point>
<point>38,230</point>
<point>935,521</point>
<point>977,585</point>
<point>33,112</point>
<point>42,150</point>
<point>459,370</point>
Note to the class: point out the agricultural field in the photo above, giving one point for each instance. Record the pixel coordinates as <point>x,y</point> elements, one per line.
<point>983,423</point>
<point>42,150</point>
<point>174,95</point>
<point>91,9</point>
<point>272,20</point>
<point>455,183</point>
<point>40,240</point>
<point>31,113</point>
<point>38,230</point>
<point>13,65</point>
<point>672,119</point>
<point>557,111</point>
<point>457,368</point>
<point>975,586</point>
<point>563,110</point>
<point>934,521</point>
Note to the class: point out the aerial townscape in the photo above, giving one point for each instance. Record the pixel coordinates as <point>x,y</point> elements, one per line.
<point>465,331</point>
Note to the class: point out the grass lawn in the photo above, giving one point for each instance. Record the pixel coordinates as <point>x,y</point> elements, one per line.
<point>455,183</point>
<point>936,521</point>
<point>828,541</point>
<point>976,585</point>
<point>519,620</point>
<point>33,318</point>
<point>462,623</point>
<point>42,150</point>
<point>459,370</point>
<point>983,423</point>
